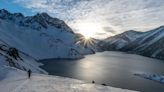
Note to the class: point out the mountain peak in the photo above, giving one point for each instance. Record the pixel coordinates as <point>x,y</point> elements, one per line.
<point>44,14</point>
<point>3,11</point>
<point>4,14</point>
<point>47,18</point>
<point>161,27</point>
<point>18,14</point>
<point>131,32</point>
<point>38,21</point>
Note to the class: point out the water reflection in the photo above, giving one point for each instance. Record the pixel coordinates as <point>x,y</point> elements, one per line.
<point>112,68</point>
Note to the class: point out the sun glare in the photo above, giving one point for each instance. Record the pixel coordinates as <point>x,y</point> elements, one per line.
<point>88,30</point>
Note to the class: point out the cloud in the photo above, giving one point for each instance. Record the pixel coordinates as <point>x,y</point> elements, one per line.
<point>114,16</point>
<point>109,29</point>
<point>101,34</point>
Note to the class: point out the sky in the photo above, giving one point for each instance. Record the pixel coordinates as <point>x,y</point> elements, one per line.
<point>96,18</point>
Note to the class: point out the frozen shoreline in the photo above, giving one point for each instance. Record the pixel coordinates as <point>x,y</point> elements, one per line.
<point>154,77</point>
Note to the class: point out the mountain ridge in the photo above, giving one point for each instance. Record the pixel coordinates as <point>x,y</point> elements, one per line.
<point>148,43</point>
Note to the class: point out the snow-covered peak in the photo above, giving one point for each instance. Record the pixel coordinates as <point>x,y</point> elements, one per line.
<point>4,14</point>
<point>40,17</point>
<point>48,18</point>
<point>43,14</point>
<point>131,33</point>
<point>128,36</point>
<point>3,11</point>
<point>38,22</point>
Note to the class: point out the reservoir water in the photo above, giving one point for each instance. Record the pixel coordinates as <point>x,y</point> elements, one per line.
<point>115,69</point>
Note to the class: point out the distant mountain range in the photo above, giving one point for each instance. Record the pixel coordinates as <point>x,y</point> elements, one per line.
<point>40,36</point>
<point>150,43</point>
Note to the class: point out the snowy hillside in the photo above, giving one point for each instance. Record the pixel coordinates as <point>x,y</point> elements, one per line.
<point>14,80</point>
<point>10,56</point>
<point>150,43</point>
<point>119,41</point>
<point>40,36</point>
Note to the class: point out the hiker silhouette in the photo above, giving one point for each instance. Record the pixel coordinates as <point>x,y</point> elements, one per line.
<point>29,73</point>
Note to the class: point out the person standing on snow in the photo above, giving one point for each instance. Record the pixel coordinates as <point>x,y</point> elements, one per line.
<point>29,73</point>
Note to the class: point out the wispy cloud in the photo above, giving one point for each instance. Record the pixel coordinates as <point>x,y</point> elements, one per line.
<point>116,15</point>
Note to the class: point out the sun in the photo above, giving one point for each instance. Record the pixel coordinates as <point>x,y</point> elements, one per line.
<point>86,41</point>
<point>88,30</point>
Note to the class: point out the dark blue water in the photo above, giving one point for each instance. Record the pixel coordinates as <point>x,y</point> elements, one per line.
<point>112,68</point>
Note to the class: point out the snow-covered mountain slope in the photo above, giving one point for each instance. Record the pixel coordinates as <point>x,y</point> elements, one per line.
<point>150,43</point>
<point>119,41</point>
<point>10,56</point>
<point>14,80</point>
<point>40,36</point>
